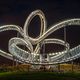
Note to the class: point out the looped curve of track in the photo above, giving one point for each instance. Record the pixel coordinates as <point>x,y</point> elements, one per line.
<point>33,56</point>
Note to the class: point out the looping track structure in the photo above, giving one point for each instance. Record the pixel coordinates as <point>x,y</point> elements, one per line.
<point>34,56</point>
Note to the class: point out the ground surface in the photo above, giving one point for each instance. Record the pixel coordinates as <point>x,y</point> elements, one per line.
<point>39,76</point>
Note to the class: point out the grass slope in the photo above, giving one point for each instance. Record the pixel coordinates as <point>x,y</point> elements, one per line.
<point>39,76</point>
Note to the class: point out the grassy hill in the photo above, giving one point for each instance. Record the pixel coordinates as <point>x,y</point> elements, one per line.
<point>39,76</point>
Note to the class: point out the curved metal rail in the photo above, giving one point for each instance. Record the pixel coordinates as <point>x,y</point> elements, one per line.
<point>33,56</point>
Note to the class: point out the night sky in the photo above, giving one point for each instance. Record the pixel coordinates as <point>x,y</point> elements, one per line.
<point>16,12</point>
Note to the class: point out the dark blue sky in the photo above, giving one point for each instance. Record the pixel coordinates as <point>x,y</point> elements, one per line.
<point>16,12</point>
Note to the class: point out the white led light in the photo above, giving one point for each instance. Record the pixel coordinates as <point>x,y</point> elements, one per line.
<point>33,56</point>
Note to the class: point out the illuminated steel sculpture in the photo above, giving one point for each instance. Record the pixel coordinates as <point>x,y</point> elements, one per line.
<point>33,56</point>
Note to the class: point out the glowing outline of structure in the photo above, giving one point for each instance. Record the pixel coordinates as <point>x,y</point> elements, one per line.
<point>34,56</point>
